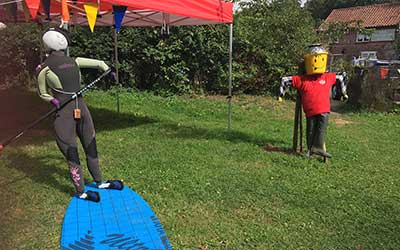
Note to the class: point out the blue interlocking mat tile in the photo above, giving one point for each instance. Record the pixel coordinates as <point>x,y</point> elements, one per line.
<point>122,220</point>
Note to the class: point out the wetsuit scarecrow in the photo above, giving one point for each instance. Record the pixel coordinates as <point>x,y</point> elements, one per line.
<point>58,79</point>
<point>315,88</point>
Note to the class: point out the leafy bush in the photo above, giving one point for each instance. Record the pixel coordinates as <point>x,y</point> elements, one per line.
<point>189,59</point>
<point>20,54</point>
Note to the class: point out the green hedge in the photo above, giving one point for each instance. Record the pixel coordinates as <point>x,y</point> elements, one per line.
<point>269,39</point>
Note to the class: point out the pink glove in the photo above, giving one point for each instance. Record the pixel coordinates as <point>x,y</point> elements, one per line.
<point>113,75</point>
<point>38,69</point>
<point>56,103</point>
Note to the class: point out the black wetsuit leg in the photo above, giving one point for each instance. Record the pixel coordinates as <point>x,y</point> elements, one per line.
<point>65,129</point>
<point>87,136</point>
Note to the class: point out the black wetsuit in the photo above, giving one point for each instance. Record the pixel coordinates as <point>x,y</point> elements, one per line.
<point>61,75</point>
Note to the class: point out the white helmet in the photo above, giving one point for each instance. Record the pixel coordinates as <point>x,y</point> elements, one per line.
<point>55,39</point>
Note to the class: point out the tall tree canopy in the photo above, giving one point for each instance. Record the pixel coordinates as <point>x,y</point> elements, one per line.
<point>272,36</point>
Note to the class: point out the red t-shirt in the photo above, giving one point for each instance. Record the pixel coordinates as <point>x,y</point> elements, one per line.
<point>315,92</point>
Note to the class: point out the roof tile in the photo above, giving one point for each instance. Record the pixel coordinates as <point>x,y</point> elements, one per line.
<point>377,15</point>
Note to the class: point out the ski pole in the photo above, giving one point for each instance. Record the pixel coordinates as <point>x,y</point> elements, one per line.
<point>52,111</point>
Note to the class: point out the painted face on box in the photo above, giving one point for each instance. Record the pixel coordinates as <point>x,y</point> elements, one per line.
<point>316,60</point>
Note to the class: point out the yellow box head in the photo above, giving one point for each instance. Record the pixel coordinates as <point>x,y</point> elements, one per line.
<point>316,61</point>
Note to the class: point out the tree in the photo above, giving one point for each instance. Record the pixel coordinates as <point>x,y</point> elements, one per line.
<point>271,37</point>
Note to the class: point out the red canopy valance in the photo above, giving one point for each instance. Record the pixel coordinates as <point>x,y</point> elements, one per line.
<point>139,12</point>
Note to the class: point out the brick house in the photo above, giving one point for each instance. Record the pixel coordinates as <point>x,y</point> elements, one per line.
<point>384,19</point>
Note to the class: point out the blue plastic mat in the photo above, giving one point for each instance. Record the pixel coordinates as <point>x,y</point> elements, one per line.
<point>121,220</point>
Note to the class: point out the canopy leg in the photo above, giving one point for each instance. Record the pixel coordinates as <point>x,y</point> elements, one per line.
<point>116,66</point>
<point>230,77</point>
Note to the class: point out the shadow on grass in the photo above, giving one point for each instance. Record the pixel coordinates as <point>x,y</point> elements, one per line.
<point>104,120</point>
<point>107,120</point>
<point>39,170</point>
<point>27,107</point>
<point>234,136</point>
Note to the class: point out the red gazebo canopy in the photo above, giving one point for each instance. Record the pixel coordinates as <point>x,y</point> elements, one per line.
<point>138,13</point>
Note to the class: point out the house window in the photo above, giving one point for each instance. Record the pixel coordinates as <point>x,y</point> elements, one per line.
<point>380,35</point>
<point>362,38</point>
<point>383,35</point>
<point>368,55</point>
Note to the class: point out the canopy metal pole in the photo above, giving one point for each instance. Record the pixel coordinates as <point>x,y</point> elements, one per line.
<point>65,26</point>
<point>42,51</point>
<point>230,77</point>
<point>116,65</point>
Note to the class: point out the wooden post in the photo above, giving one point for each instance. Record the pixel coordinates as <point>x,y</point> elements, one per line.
<point>297,119</point>
<point>300,124</point>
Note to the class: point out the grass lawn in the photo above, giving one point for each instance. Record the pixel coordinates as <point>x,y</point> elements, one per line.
<point>212,189</point>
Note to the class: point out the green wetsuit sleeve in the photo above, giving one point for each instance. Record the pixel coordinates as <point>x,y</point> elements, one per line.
<point>91,63</point>
<point>42,85</point>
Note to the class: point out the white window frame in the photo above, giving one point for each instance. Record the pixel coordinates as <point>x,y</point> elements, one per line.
<point>361,38</point>
<point>379,35</point>
<point>368,55</point>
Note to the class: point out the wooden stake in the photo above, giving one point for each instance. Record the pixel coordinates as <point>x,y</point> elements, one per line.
<point>297,121</point>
